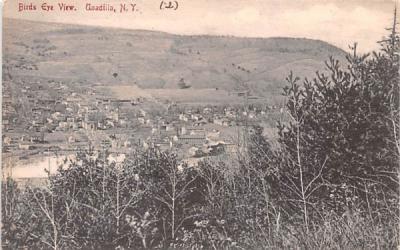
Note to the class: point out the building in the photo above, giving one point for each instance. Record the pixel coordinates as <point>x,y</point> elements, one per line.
<point>192,140</point>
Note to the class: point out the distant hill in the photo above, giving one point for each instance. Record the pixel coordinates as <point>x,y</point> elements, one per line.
<point>156,59</point>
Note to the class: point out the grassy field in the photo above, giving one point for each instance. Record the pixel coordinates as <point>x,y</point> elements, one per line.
<point>188,96</point>
<point>157,60</point>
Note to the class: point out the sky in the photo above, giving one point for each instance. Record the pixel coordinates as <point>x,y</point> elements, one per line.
<point>339,22</point>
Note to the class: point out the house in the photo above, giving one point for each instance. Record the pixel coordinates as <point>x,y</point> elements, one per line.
<point>7,140</point>
<point>213,135</point>
<point>142,113</point>
<point>192,131</point>
<point>230,113</point>
<point>216,148</point>
<point>222,122</point>
<point>197,117</point>
<point>6,124</point>
<point>207,111</point>
<point>63,126</point>
<point>183,117</point>
<point>231,148</point>
<point>252,115</point>
<point>71,139</point>
<point>116,158</point>
<point>26,146</point>
<point>199,123</point>
<point>195,152</point>
<point>37,137</point>
<point>163,145</point>
<point>89,125</point>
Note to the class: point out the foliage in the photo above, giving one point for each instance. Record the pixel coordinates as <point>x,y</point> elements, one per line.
<point>338,149</point>
<point>330,181</point>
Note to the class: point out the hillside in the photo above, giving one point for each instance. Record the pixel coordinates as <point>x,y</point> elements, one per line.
<point>157,60</point>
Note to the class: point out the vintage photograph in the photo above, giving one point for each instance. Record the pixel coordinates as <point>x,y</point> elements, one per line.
<point>153,124</point>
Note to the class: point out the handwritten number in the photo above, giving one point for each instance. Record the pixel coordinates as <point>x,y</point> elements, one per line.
<point>169,5</point>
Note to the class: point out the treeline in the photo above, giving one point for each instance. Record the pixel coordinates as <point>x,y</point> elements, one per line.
<point>330,181</point>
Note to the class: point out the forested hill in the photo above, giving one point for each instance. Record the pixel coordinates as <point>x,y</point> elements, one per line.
<point>159,60</point>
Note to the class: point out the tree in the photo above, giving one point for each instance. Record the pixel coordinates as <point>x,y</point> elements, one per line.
<point>339,134</point>
<point>182,84</point>
<point>98,194</point>
<point>13,215</point>
<point>172,196</point>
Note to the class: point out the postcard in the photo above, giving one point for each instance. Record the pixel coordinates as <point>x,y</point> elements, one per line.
<point>183,124</point>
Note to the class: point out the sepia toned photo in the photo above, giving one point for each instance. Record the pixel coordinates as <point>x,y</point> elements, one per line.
<point>154,124</point>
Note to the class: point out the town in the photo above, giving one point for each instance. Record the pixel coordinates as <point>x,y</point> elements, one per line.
<point>50,118</point>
